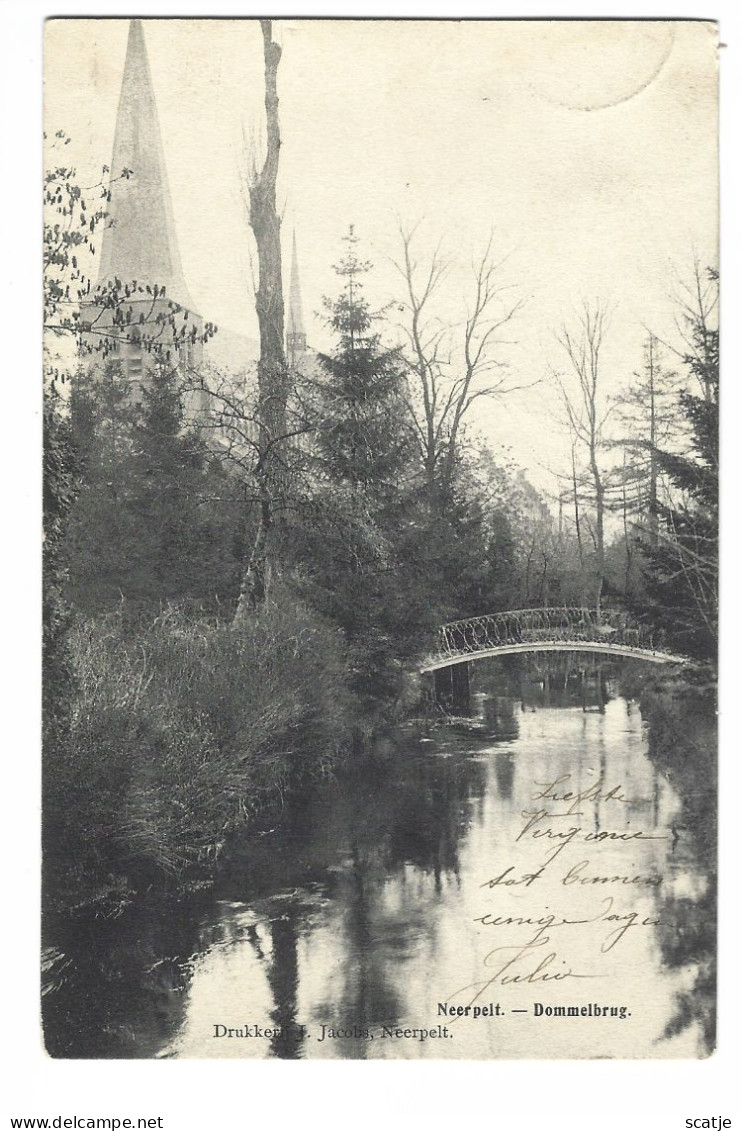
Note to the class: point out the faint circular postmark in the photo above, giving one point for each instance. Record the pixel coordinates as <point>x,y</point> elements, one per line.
<point>594,65</point>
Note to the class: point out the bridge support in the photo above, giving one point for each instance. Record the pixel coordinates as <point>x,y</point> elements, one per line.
<point>452,691</point>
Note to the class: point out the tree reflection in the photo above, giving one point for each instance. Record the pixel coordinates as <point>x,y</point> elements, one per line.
<point>335,903</point>
<point>115,988</point>
<point>366,997</point>
<point>682,743</point>
<point>283,979</point>
<point>558,680</point>
<point>505,774</point>
<point>351,838</point>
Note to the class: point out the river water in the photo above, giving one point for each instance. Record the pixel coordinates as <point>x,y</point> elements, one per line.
<point>434,902</point>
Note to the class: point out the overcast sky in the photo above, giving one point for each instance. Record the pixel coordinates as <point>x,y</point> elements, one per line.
<point>589,149</point>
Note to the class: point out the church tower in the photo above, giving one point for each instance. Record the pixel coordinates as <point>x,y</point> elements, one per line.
<point>140,246</point>
<point>296,338</point>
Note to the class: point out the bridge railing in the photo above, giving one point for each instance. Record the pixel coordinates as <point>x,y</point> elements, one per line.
<point>525,626</point>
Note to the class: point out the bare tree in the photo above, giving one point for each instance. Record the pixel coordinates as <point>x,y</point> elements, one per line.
<point>577,518</point>
<point>451,367</point>
<point>273,374</point>
<point>649,415</point>
<point>697,323</point>
<point>587,411</point>
<point>232,426</point>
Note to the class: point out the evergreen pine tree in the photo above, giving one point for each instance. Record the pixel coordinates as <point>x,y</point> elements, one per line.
<point>155,520</point>
<point>347,552</point>
<point>168,461</point>
<point>61,484</point>
<point>101,530</point>
<point>682,570</point>
<point>363,428</point>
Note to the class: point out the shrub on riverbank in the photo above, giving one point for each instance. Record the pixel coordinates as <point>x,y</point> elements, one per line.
<point>181,730</point>
<point>679,709</point>
<point>680,712</point>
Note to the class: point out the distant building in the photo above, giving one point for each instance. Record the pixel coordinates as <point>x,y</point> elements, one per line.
<point>296,338</point>
<point>140,249</point>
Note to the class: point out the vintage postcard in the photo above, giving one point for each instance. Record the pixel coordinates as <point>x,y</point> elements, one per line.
<point>381,561</point>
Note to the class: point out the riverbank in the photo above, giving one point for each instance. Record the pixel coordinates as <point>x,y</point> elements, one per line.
<point>681,718</point>
<point>179,731</point>
<point>351,902</point>
<point>680,706</point>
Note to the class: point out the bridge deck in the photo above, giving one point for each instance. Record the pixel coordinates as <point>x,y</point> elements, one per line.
<point>606,649</point>
<point>609,632</point>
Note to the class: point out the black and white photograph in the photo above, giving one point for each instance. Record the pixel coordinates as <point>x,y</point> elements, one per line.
<point>380,567</point>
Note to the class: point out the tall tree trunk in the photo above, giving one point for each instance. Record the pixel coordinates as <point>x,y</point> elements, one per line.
<point>599,524</point>
<point>529,560</point>
<point>653,470</point>
<point>578,527</point>
<point>273,374</point>
<point>626,531</point>
<point>542,584</point>
<point>586,419</point>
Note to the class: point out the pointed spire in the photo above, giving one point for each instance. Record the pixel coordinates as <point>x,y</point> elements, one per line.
<point>141,245</point>
<point>296,338</point>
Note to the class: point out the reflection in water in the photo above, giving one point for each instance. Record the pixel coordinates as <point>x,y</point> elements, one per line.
<point>363,904</point>
<point>504,763</point>
<point>116,987</point>
<point>680,749</point>
<point>283,979</point>
<point>559,681</point>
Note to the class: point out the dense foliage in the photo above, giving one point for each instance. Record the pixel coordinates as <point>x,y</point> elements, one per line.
<point>168,721</point>
<point>60,492</point>
<point>372,547</point>
<point>156,519</point>
<point>682,563</point>
<point>181,729</point>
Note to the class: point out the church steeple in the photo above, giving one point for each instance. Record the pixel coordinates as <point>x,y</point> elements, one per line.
<point>141,244</point>
<point>296,338</point>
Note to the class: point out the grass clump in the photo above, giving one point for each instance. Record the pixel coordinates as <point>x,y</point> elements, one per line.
<point>180,731</point>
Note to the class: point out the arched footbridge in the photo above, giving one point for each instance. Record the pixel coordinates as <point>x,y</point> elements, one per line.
<point>608,632</point>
